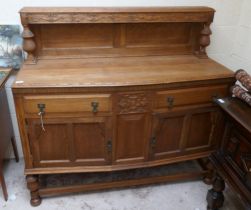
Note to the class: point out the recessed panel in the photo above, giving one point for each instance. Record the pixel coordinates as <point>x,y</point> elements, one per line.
<point>89,141</point>
<point>168,135</point>
<point>131,138</point>
<point>157,34</point>
<point>53,143</point>
<point>200,130</point>
<point>77,36</point>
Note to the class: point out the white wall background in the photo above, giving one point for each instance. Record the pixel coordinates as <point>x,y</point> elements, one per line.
<point>230,42</point>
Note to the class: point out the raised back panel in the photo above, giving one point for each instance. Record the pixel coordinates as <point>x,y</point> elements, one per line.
<point>53,33</point>
<point>113,40</point>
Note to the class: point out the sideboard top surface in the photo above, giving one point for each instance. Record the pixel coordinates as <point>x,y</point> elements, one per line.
<point>124,71</point>
<point>114,9</point>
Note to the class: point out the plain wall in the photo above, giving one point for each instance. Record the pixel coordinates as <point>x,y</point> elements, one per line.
<point>230,41</point>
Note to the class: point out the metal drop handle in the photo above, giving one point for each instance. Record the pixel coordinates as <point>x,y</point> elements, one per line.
<point>94,106</point>
<point>41,112</point>
<point>109,145</point>
<point>170,102</point>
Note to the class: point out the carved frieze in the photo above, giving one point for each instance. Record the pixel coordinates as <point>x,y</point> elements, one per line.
<point>133,103</point>
<point>114,17</point>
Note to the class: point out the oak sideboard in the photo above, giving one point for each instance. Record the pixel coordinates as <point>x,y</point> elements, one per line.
<point>106,90</point>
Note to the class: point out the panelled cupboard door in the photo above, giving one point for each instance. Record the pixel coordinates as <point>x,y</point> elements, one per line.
<point>132,136</point>
<point>70,141</point>
<point>182,132</point>
<point>166,134</point>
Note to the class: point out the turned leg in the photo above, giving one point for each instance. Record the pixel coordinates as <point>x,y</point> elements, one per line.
<point>208,178</point>
<point>207,165</point>
<point>14,145</point>
<point>2,181</point>
<point>33,186</point>
<point>215,197</point>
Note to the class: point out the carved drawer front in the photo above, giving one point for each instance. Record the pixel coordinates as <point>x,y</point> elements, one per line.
<point>67,103</point>
<point>173,98</point>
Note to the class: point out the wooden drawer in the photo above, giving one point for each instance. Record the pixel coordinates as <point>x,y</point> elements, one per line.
<point>68,103</point>
<point>172,98</point>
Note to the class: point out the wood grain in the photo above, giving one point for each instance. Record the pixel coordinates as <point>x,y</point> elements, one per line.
<point>92,32</point>
<point>126,71</point>
<point>123,88</point>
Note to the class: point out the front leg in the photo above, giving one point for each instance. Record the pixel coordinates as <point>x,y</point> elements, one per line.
<point>33,186</point>
<point>215,197</point>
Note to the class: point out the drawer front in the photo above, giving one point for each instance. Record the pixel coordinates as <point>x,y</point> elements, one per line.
<point>172,98</point>
<point>68,103</point>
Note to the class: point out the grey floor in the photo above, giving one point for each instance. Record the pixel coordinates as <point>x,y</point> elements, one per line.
<point>172,196</point>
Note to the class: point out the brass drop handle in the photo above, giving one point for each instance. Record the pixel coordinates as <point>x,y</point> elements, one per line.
<point>94,106</point>
<point>41,108</point>
<point>170,102</point>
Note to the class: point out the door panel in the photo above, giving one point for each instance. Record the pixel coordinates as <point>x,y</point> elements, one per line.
<point>200,130</point>
<point>184,132</point>
<point>132,136</point>
<point>70,141</point>
<point>51,144</point>
<point>166,137</point>
<point>90,141</point>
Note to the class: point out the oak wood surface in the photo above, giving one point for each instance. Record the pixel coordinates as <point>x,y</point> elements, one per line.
<point>69,103</point>
<point>115,15</point>
<point>115,167</point>
<point>126,71</point>
<point>120,88</point>
<point>115,9</point>
<point>115,31</point>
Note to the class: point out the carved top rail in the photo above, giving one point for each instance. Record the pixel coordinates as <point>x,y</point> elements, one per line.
<point>47,15</point>
<point>67,32</point>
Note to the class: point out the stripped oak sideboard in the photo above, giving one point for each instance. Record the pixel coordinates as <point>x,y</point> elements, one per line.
<point>113,89</point>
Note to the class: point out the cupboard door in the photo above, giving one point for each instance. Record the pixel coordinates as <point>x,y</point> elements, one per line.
<point>92,141</point>
<point>70,142</point>
<point>132,135</point>
<point>166,135</point>
<point>185,132</point>
<point>204,127</point>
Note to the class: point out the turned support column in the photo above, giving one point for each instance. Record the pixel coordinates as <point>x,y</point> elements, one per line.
<point>204,40</point>
<point>215,197</point>
<point>29,44</point>
<point>206,164</point>
<point>33,186</point>
<point>208,178</point>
